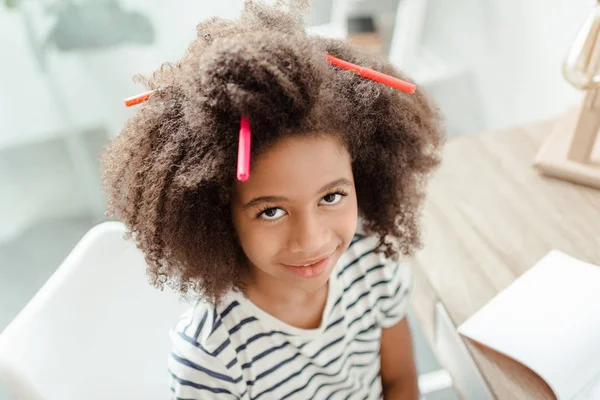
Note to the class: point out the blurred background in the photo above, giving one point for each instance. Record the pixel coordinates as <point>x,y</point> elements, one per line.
<point>67,65</point>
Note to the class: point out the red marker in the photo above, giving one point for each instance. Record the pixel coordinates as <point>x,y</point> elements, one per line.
<point>243,164</point>
<point>140,98</point>
<point>373,75</point>
<point>362,71</point>
<point>243,167</point>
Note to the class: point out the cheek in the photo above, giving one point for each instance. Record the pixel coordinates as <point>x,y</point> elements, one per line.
<point>348,221</point>
<point>257,244</point>
<point>244,233</point>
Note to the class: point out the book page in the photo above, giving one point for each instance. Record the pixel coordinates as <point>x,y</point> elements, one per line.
<point>549,320</point>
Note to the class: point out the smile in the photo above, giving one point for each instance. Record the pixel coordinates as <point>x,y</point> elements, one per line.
<point>312,268</point>
<point>309,263</point>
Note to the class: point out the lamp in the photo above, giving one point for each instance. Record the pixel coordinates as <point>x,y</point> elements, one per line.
<point>572,152</point>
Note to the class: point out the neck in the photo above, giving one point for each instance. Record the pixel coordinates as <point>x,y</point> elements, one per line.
<point>290,305</point>
<point>264,286</point>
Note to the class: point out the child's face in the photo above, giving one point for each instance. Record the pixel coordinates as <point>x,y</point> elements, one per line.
<point>298,207</point>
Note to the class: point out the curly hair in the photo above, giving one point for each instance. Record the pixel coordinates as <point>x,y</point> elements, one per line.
<point>169,174</point>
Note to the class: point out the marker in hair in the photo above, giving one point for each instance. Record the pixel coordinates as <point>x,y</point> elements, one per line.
<point>140,98</point>
<point>373,75</point>
<point>362,71</point>
<point>243,164</point>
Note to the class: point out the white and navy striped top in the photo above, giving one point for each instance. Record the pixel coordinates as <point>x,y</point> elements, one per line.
<point>238,351</point>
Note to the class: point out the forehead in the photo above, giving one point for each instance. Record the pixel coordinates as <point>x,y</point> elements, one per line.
<point>295,166</point>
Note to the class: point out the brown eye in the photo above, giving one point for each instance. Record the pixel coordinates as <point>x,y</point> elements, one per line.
<point>332,198</point>
<point>271,214</point>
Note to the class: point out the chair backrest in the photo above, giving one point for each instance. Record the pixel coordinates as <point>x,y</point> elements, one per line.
<point>95,330</point>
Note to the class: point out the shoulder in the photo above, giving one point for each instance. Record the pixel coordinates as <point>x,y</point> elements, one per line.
<point>389,283</point>
<point>201,357</point>
<point>207,327</point>
<point>362,258</point>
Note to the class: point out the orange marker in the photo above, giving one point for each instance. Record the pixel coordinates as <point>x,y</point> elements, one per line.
<point>373,75</point>
<point>140,98</point>
<point>362,71</point>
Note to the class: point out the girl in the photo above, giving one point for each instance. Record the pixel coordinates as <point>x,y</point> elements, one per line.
<point>292,301</point>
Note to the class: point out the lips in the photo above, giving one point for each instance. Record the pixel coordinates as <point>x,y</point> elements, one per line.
<point>310,262</point>
<point>311,268</point>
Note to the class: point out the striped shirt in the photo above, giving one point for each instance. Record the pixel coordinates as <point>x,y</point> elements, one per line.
<point>238,351</point>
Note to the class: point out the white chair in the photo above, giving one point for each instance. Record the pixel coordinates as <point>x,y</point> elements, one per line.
<point>96,329</point>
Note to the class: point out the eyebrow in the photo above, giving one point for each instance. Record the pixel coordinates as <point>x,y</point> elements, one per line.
<point>275,199</point>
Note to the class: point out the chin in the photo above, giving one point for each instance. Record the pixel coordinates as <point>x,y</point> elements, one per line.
<point>312,285</point>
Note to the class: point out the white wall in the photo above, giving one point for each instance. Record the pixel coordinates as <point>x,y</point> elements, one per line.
<point>515,49</point>
<point>94,83</point>
<point>36,175</point>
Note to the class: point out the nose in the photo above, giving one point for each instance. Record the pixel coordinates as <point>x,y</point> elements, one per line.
<point>308,234</point>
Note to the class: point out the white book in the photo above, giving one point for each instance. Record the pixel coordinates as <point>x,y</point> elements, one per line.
<point>549,321</point>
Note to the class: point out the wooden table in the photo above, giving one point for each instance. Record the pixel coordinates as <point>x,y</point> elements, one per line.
<point>488,218</point>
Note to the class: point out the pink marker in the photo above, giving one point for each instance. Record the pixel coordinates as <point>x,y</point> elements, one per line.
<point>243,164</point>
